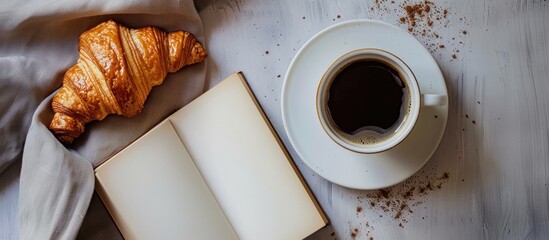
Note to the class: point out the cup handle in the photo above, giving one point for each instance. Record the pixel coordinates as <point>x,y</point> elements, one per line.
<point>433,99</point>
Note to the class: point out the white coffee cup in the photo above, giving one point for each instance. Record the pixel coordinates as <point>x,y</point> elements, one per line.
<point>367,139</point>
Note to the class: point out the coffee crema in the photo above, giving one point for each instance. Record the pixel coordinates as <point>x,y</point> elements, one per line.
<point>367,95</point>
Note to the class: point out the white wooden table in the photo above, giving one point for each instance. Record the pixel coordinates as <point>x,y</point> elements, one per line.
<point>489,177</point>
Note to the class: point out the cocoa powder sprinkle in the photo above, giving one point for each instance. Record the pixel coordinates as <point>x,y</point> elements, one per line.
<point>421,18</point>
<point>384,193</point>
<point>397,202</point>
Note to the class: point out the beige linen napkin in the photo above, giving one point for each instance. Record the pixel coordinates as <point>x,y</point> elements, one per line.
<point>38,43</point>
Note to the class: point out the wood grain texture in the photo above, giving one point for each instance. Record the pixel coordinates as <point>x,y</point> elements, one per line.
<point>496,145</point>
<point>495,148</point>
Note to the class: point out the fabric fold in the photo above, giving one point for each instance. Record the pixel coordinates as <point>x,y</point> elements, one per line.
<point>37,45</point>
<point>56,184</point>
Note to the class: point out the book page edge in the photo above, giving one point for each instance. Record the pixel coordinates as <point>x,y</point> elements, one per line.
<point>96,168</point>
<point>242,78</point>
<point>105,200</point>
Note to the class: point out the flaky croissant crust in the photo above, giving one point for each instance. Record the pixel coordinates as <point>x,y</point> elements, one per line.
<point>116,69</point>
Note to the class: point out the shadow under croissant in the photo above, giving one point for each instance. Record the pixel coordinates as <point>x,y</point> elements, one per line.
<point>115,72</point>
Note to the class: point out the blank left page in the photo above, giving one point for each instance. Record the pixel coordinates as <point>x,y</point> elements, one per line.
<point>153,190</point>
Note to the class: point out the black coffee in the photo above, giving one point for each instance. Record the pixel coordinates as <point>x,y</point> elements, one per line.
<point>365,94</point>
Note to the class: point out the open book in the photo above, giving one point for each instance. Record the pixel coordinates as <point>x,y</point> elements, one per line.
<point>215,169</point>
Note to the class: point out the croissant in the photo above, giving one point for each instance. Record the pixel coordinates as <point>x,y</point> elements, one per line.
<point>116,69</point>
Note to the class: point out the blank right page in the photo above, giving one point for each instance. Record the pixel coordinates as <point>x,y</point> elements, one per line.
<point>244,165</point>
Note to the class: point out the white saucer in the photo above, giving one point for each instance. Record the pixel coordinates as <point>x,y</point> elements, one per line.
<point>317,149</point>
